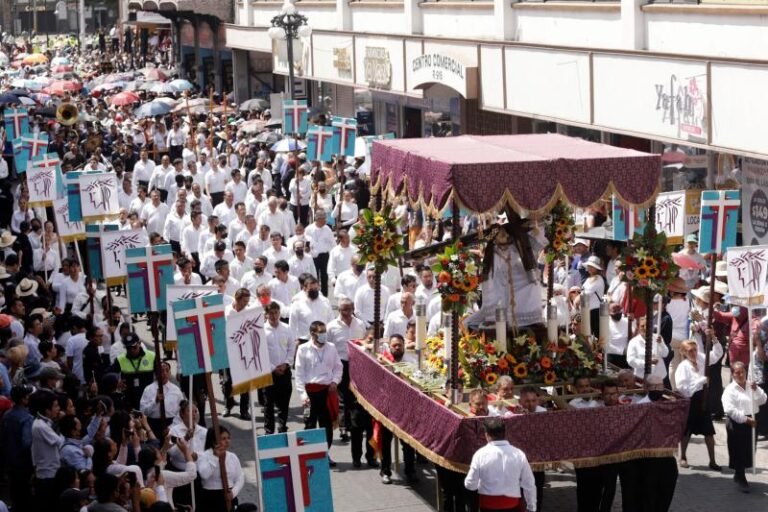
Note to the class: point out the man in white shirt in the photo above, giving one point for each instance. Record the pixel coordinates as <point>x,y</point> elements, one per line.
<point>309,308</point>
<point>582,386</point>
<point>283,286</point>
<point>219,253</point>
<point>248,232</point>
<point>300,190</point>
<point>341,330</point>
<point>139,202</point>
<point>364,297</point>
<point>258,243</point>
<point>322,244</point>
<point>125,195</point>
<point>237,187</point>
<point>340,258</point>
<point>240,263</point>
<point>257,276</point>
<point>299,263</point>
<point>205,203</point>
<point>350,280</point>
<point>142,170</point>
<point>75,346</point>
<point>318,373</point>
<point>190,238</point>
<point>215,181</point>
<point>619,331</point>
<point>237,224</point>
<point>407,284</point>
<point>277,252</point>
<point>157,180</point>
<point>222,269</point>
<point>175,223</point>
<point>397,321</point>
<point>427,287</point>
<point>274,218</point>
<point>153,215</point>
<point>170,395</point>
<point>171,184</point>
<point>225,211</point>
<point>175,140</point>
<point>499,472</point>
<point>185,275</point>
<point>282,349</point>
<point>254,199</point>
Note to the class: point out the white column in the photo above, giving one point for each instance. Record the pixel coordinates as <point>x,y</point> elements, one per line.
<point>632,25</point>
<point>413,20</point>
<point>248,21</point>
<point>343,15</point>
<point>505,20</point>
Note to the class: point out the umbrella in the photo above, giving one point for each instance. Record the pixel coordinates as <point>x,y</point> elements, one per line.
<point>163,88</point>
<point>154,74</point>
<point>40,97</point>
<point>274,123</point>
<point>152,109</point>
<point>35,58</point>
<point>19,92</point>
<point>168,101</point>
<point>182,85</point>
<point>9,99</point>
<point>253,126</point>
<point>62,68</point>
<point>286,145</point>
<point>255,104</point>
<point>683,260</point>
<point>109,87</point>
<point>124,98</point>
<point>46,111</point>
<point>61,61</point>
<point>61,87</point>
<point>266,138</point>
<point>27,101</point>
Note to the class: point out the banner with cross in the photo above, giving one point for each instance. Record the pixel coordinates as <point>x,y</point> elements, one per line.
<point>344,135</point>
<point>176,292</point>
<point>719,220</point>
<point>93,233</point>
<point>294,471</point>
<point>295,117</point>
<point>319,143</point>
<point>150,272</point>
<point>248,350</point>
<point>16,122</point>
<point>201,333</point>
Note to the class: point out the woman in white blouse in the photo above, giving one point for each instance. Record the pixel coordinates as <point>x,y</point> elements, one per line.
<point>212,496</point>
<point>741,401</point>
<point>690,381</point>
<point>636,353</point>
<point>594,288</point>
<point>347,211</point>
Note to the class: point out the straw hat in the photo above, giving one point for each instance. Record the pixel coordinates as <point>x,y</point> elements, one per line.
<point>594,262</point>
<point>26,288</point>
<point>4,273</point>
<point>721,269</point>
<point>721,288</point>
<point>702,294</point>
<point>678,286</point>
<point>7,239</point>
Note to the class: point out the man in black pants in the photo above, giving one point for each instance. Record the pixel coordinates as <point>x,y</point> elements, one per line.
<point>282,349</point>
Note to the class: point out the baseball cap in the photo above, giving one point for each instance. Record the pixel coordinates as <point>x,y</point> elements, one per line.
<point>19,392</point>
<point>131,340</point>
<point>220,246</point>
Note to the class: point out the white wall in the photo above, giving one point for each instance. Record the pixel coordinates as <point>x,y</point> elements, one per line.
<point>588,29</point>
<point>471,23</point>
<point>381,20</point>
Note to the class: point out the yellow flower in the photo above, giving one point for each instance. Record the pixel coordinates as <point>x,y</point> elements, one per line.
<point>379,220</point>
<point>491,378</point>
<point>641,272</point>
<point>520,371</point>
<point>653,272</point>
<point>549,377</point>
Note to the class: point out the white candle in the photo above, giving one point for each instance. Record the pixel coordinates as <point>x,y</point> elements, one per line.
<point>586,326</point>
<point>552,327</point>
<point>605,331</point>
<point>658,315</point>
<point>421,324</point>
<point>501,328</point>
<point>448,337</point>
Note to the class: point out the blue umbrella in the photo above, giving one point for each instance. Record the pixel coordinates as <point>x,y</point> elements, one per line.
<point>286,145</point>
<point>9,99</point>
<point>163,88</point>
<point>181,85</point>
<point>152,109</point>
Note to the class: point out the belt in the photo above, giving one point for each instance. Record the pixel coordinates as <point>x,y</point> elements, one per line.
<point>498,502</point>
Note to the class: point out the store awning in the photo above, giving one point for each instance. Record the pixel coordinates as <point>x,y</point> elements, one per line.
<point>149,20</point>
<point>526,172</point>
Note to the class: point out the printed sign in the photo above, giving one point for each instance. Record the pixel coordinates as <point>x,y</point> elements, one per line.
<point>248,350</point>
<point>93,244</point>
<point>627,220</point>
<point>294,471</point>
<point>754,212</point>
<point>201,333</point>
<point>98,196</point>
<point>719,220</point>
<point>438,68</point>
<point>670,218</point>
<point>377,68</point>
<point>319,143</point>
<point>181,292</point>
<point>113,247</point>
<point>692,211</point>
<point>150,272</point>
<point>295,116</point>
<point>747,274</point>
<point>68,230</point>
<point>344,135</point>
<point>16,122</point>
<point>41,182</point>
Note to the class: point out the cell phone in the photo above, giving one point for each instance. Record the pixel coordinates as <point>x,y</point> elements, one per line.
<point>137,414</point>
<point>174,439</point>
<point>157,473</point>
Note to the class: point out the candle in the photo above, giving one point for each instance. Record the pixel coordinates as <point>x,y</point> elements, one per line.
<point>448,337</point>
<point>552,327</point>
<point>605,331</point>
<point>586,327</point>
<point>421,323</point>
<point>501,328</point>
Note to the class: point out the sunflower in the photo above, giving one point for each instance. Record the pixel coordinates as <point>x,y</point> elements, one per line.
<point>557,245</point>
<point>491,378</point>
<point>650,261</point>
<point>546,363</point>
<point>641,272</point>
<point>653,272</point>
<point>559,233</point>
<point>371,257</point>
<point>520,371</point>
<point>549,377</point>
<point>378,247</point>
<point>379,221</point>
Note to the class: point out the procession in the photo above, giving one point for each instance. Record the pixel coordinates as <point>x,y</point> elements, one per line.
<point>219,303</point>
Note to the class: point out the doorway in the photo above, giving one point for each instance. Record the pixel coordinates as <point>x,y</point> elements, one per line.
<point>411,123</point>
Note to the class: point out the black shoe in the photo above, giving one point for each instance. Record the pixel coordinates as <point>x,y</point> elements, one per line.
<point>227,413</point>
<point>411,478</point>
<point>372,463</point>
<point>714,467</point>
<point>357,464</point>
<point>344,437</point>
<point>245,416</point>
<point>331,463</point>
<point>743,486</point>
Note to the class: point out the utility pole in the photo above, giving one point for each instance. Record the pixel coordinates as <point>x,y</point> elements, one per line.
<point>81,22</point>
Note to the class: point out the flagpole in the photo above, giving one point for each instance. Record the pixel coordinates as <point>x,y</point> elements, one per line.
<point>153,325</point>
<point>223,456</point>
<point>191,427</point>
<point>252,397</point>
<point>750,371</point>
<point>706,337</point>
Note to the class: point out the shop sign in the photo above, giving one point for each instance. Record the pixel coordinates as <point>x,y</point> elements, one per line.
<point>681,102</point>
<point>342,60</point>
<point>754,206</point>
<point>377,67</point>
<point>438,68</point>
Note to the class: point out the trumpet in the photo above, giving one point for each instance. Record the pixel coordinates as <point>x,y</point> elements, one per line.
<point>67,114</point>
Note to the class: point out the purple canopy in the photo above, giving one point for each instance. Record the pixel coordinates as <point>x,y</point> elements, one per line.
<point>528,172</point>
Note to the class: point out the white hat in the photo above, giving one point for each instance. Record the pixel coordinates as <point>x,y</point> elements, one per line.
<point>577,241</point>
<point>721,269</point>
<point>594,262</point>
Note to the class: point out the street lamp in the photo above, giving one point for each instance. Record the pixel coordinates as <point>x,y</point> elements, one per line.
<point>288,25</point>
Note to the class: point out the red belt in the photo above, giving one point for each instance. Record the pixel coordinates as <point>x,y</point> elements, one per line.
<point>498,502</point>
<point>331,403</point>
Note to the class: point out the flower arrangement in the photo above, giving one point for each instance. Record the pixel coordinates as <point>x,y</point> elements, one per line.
<point>647,262</point>
<point>435,355</point>
<point>574,356</point>
<point>377,239</point>
<point>457,278</point>
<point>481,364</point>
<point>559,229</point>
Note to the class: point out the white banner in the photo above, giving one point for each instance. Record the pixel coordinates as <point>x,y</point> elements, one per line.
<point>98,197</point>
<point>68,231</point>
<point>176,292</point>
<point>248,351</point>
<point>754,201</point>
<point>670,215</point>
<point>41,182</point>
<point>747,274</point>
<point>113,246</point>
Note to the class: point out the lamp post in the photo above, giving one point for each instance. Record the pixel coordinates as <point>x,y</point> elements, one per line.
<point>288,25</point>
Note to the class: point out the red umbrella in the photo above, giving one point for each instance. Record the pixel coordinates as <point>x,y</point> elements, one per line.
<point>61,87</point>
<point>155,75</point>
<point>683,260</point>
<point>62,68</point>
<point>124,98</point>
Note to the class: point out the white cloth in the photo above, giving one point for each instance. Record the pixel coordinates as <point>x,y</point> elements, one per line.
<point>679,310</point>
<point>738,403</point>
<point>251,280</point>
<point>584,403</point>
<point>305,311</point>
<point>339,333</point>
<point>196,442</point>
<point>281,342</point>
<point>364,301</point>
<point>619,330</point>
<point>636,356</point>
<point>208,469</point>
<point>172,397</point>
<point>500,469</point>
<point>317,366</point>
<point>284,291</point>
<point>688,379</point>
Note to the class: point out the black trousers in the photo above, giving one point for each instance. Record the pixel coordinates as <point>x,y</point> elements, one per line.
<point>455,496</point>
<point>278,395</point>
<point>409,455</point>
<point>199,393</point>
<point>46,496</point>
<point>589,484</point>
<point>361,430</point>
<point>230,403</point>
<point>321,266</point>
<point>20,488</point>
<point>319,415</point>
<point>301,214</point>
<point>346,397</point>
<point>539,479</point>
<point>175,152</point>
<point>175,246</point>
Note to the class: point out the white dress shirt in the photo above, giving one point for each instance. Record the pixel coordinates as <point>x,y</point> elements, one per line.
<point>300,266</point>
<point>339,333</point>
<point>137,205</point>
<point>172,397</point>
<point>322,239</point>
<point>210,474</point>
<point>225,213</point>
<point>317,366</point>
<point>738,403</point>
<point>174,225</point>
<point>239,190</point>
<point>397,323</point>
<point>688,379</point>
<point>276,222</point>
<point>305,191</point>
<point>306,311</point>
<point>154,217</point>
<point>196,443</point>
<point>500,469</point>
<point>364,301</point>
<point>636,356</point>
<point>190,239</point>
<point>256,246</point>
<point>142,171</point>
<point>215,181</point>
<point>282,344</point>
<point>584,403</point>
<point>348,213</point>
<point>68,292</point>
<point>251,280</point>
<point>158,177</point>
<point>274,256</point>
<point>340,260</point>
<point>347,284</point>
<point>617,343</point>
<point>75,346</point>
<point>237,268</point>
<point>284,291</point>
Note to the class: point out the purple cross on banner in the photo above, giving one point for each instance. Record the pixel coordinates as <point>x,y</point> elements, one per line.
<point>344,135</point>
<point>295,116</point>
<point>319,146</point>
<point>719,220</point>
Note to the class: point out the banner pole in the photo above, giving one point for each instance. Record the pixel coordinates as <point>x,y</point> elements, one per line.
<point>222,457</point>
<point>252,397</point>
<point>191,428</point>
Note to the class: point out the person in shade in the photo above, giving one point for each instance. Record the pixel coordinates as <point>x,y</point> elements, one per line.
<point>500,473</point>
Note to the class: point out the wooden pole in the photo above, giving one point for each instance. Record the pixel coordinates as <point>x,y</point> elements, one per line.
<point>455,232</point>
<point>377,331</point>
<point>222,457</point>
<point>153,320</point>
<point>650,230</point>
<point>705,337</point>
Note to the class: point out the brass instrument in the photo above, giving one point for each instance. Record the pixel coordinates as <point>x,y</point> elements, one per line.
<point>67,114</point>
